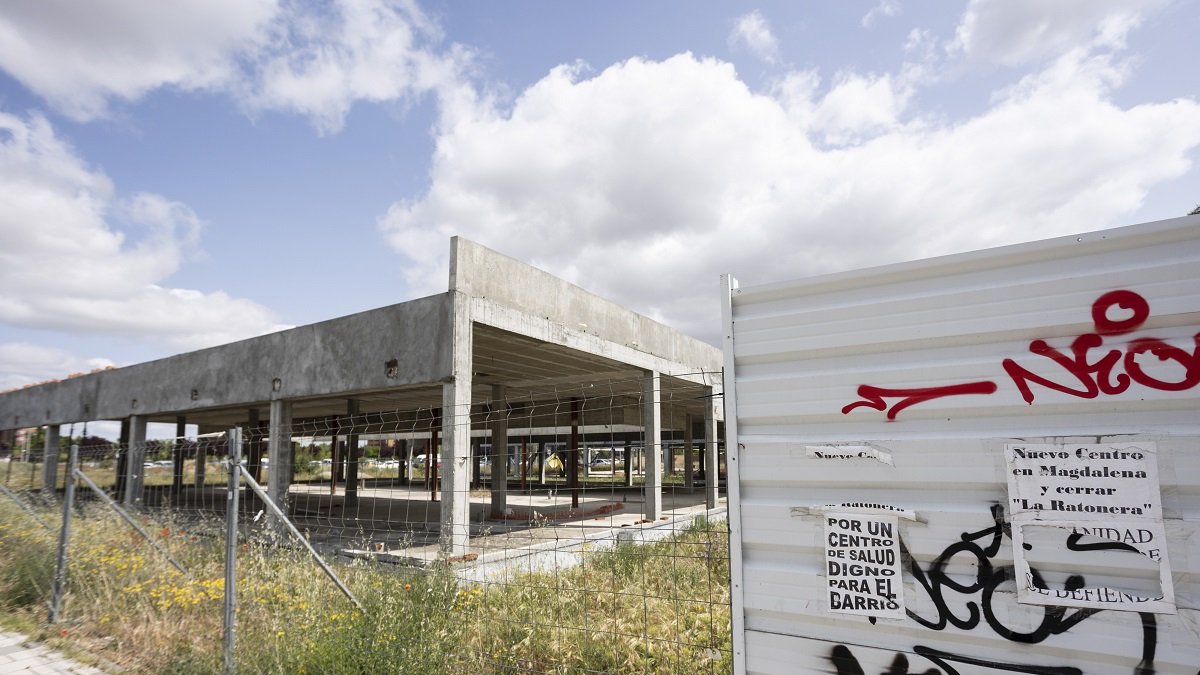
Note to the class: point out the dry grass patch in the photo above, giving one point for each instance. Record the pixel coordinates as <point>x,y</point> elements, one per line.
<point>660,608</point>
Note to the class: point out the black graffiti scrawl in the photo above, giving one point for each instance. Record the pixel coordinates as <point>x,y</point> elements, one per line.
<point>975,609</point>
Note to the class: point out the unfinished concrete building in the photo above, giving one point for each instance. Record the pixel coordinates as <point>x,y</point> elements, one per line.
<point>504,337</point>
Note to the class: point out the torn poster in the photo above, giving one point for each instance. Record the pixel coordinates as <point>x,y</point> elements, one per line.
<point>1089,505</point>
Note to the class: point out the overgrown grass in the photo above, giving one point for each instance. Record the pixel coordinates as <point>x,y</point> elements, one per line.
<point>659,608</point>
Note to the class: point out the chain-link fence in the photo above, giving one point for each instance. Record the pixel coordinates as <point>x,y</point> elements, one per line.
<point>595,541</point>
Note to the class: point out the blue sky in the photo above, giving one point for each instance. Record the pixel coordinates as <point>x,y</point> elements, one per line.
<point>177,175</point>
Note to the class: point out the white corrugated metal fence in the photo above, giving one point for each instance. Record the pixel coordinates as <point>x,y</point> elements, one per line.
<point>894,430</point>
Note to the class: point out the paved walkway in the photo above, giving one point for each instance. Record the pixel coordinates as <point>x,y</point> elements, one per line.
<point>18,655</point>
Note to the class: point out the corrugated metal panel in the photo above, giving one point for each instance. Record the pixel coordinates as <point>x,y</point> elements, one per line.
<point>823,362</point>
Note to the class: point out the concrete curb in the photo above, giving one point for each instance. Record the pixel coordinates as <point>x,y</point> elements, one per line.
<point>501,566</point>
<point>19,655</point>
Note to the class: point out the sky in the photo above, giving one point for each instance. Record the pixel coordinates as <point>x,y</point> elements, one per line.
<point>179,175</point>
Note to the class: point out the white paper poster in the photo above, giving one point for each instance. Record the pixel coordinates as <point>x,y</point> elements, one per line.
<point>862,563</point>
<point>1104,498</point>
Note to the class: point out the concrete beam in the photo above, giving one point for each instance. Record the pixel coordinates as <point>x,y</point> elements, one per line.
<point>652,424</point>
<point>489,313</point>
<point>50,453</point>
<point>403,344</point>
<point>480,272</point>
<point>135,470</point>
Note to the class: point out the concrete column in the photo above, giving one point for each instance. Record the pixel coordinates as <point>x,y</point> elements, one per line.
<point>252,453</point>
<point>279,456</point>
<point>499,422</point>
<point>122,461</point>
<point>476,461</point>
<point>50,460</point>
<point>456,444</point>
<point>689,452</point>
<point>524,464</point>
<point>177,455</point>
<point>334,467</point>
<point>652,430</point>
<point>352,455</point>
<point>711,460</point>
<point>252,450</point>
<point>201,463</point>
<point>431,455</point>
<point>669,453</point>
<point>572,455</point>
<point>628,464</point>
<point>135,471</point>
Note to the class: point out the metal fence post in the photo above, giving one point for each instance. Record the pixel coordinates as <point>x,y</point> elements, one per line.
<point>64,538</point>
<point>231,527</point>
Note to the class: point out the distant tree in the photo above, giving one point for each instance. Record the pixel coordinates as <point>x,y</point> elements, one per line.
<point>1195,211</point>
<point>95,447</point>
<point>158,449</point>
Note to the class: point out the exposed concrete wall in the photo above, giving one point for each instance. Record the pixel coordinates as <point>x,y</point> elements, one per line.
<point>480,272</point>
<point>342,355</point>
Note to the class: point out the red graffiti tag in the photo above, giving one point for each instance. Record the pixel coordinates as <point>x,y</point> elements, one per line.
<point>874,396</point>
<point>1101,375</point>
<point>1110,373</point>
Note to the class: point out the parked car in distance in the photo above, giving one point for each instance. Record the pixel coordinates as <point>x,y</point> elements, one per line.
<point>420,460</point>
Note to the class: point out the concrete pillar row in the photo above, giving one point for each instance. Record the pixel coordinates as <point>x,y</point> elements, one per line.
<point>50,459</point>
<point>135,470</point>
<point>279,456</point>
<point>652,430</point>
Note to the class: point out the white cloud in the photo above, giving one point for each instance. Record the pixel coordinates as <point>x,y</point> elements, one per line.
<point>884,8</point>
<point>312,58</point>
<point>76,256</point>
<point>1019,32</point>
<point>22,363</point>
<point>860,106</point>
<point>754,33</point>
<point>645,181</point>
<point>320,63</point>
<point>78,56</point>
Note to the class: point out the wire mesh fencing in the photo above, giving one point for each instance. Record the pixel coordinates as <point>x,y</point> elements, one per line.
<point>595,541</point>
